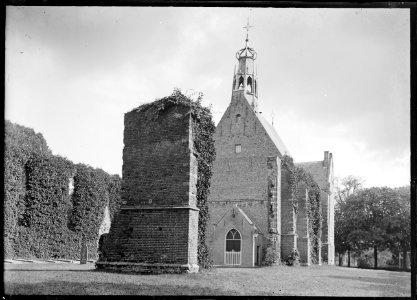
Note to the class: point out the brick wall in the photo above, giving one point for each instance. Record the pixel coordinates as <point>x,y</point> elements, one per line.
<point>156,157</point>
<point>242,178</point>
<point>288,234</point>
<point>303,239</point>
<point>157,228</point>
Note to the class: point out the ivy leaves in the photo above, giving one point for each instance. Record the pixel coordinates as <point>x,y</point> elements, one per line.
<point>39,210</point>
<point>298,176</point>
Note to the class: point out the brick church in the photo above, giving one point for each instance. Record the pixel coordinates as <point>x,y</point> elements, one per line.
<point>244,212</point>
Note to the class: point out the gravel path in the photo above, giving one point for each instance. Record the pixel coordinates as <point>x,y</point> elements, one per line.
<point>75,279</point>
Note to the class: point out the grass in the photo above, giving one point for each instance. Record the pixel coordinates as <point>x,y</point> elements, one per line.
<point>76,279</point>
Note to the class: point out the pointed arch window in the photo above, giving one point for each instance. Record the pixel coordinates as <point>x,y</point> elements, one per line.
<point>249,84</point>
<point>241,80</point>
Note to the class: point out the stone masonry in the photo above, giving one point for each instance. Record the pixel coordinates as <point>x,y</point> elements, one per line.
<point>156,230</point>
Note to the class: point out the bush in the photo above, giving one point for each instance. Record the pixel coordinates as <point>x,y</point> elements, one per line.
<point>293,259</point>
<point>365,262</point>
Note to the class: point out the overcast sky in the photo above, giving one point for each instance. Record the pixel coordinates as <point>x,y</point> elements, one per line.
<point>331,79</point>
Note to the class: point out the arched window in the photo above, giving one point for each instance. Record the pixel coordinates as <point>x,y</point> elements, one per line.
<point>237,118</point>
<point>240,82</point>
<point>233,246</point>
<point>249,84</point>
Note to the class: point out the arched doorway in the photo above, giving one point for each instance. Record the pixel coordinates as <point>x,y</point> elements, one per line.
<point>233,251</point>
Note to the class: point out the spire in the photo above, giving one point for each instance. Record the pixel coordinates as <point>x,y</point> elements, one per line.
<point>245,76</point>
<point>247,27</point>
<point>246,51</point>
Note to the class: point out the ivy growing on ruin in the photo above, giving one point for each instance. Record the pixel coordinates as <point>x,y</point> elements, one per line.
<point>40,214</point>
<point>297,176</point>
<point>203,129</point>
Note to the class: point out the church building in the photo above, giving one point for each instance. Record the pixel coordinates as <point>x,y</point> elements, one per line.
<point>250,199</point>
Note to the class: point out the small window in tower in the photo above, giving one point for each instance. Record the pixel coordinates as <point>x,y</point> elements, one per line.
<point>249,85</point>
<point>238,148</point>
<point>240,82</point>
<point>237,118</point>
<point>256,89</point>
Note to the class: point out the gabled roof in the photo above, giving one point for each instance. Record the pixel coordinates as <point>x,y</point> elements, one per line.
<point>319,172</point>
<point>272,133</point>
<point>240,211</point>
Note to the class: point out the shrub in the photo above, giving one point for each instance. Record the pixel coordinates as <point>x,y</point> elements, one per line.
<point>365,262</point>
<point>293,259</point>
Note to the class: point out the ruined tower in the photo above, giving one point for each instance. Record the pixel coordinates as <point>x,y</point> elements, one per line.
<point>156,229</point>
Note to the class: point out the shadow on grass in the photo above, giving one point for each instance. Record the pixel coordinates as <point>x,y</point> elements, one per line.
<point>105,288</point>
<point>381,285</point>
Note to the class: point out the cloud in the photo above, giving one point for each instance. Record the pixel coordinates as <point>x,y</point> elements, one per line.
<point>336,80</point>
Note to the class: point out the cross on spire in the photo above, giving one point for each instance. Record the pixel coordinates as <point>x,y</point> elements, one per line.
<point>247,27</point>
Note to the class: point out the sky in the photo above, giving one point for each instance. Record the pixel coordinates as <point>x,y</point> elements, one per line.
<point>333,80</point>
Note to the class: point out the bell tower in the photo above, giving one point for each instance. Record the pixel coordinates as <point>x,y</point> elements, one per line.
<point>245,78</point>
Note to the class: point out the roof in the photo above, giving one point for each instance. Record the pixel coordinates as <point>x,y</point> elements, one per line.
<point>319,172</point>
<point>245,216</point>
<point>272,133</point>
<point>239,210</point>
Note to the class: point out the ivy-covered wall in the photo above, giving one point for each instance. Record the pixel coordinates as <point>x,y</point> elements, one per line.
<point>42,217</point>
<point>203,129</point>
<point>298,176</point>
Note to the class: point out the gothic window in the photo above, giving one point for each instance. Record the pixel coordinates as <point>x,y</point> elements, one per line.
<point>233,241</point>
<point>238,148</point>
<point>241,82</point>
<point>249,85</point>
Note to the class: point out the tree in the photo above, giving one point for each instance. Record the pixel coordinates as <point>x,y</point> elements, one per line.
<point>344,188</point>
<point>375,217</point>
<point>399,227</point>
<point>347,186</point>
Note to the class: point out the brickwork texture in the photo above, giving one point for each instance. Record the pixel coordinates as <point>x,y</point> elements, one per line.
<point>157,228</point>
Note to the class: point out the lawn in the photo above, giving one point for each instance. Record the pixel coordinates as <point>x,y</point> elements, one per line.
<point>76,279</point>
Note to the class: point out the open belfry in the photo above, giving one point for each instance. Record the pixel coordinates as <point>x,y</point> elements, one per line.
<point>253,219</point>
<point>156,230</point>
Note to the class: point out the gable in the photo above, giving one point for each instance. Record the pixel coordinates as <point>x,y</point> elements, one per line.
<point>240,120</point>
<point>319,172</point>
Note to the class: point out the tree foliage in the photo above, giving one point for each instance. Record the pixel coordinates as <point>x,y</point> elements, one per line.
<point>377,217</point>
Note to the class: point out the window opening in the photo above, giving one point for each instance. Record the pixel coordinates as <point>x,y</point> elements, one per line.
<point>249,85</point>
<point>238,148</point>
<point>233,248</point>
<point>240,82</point>
<point>71,186</point>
